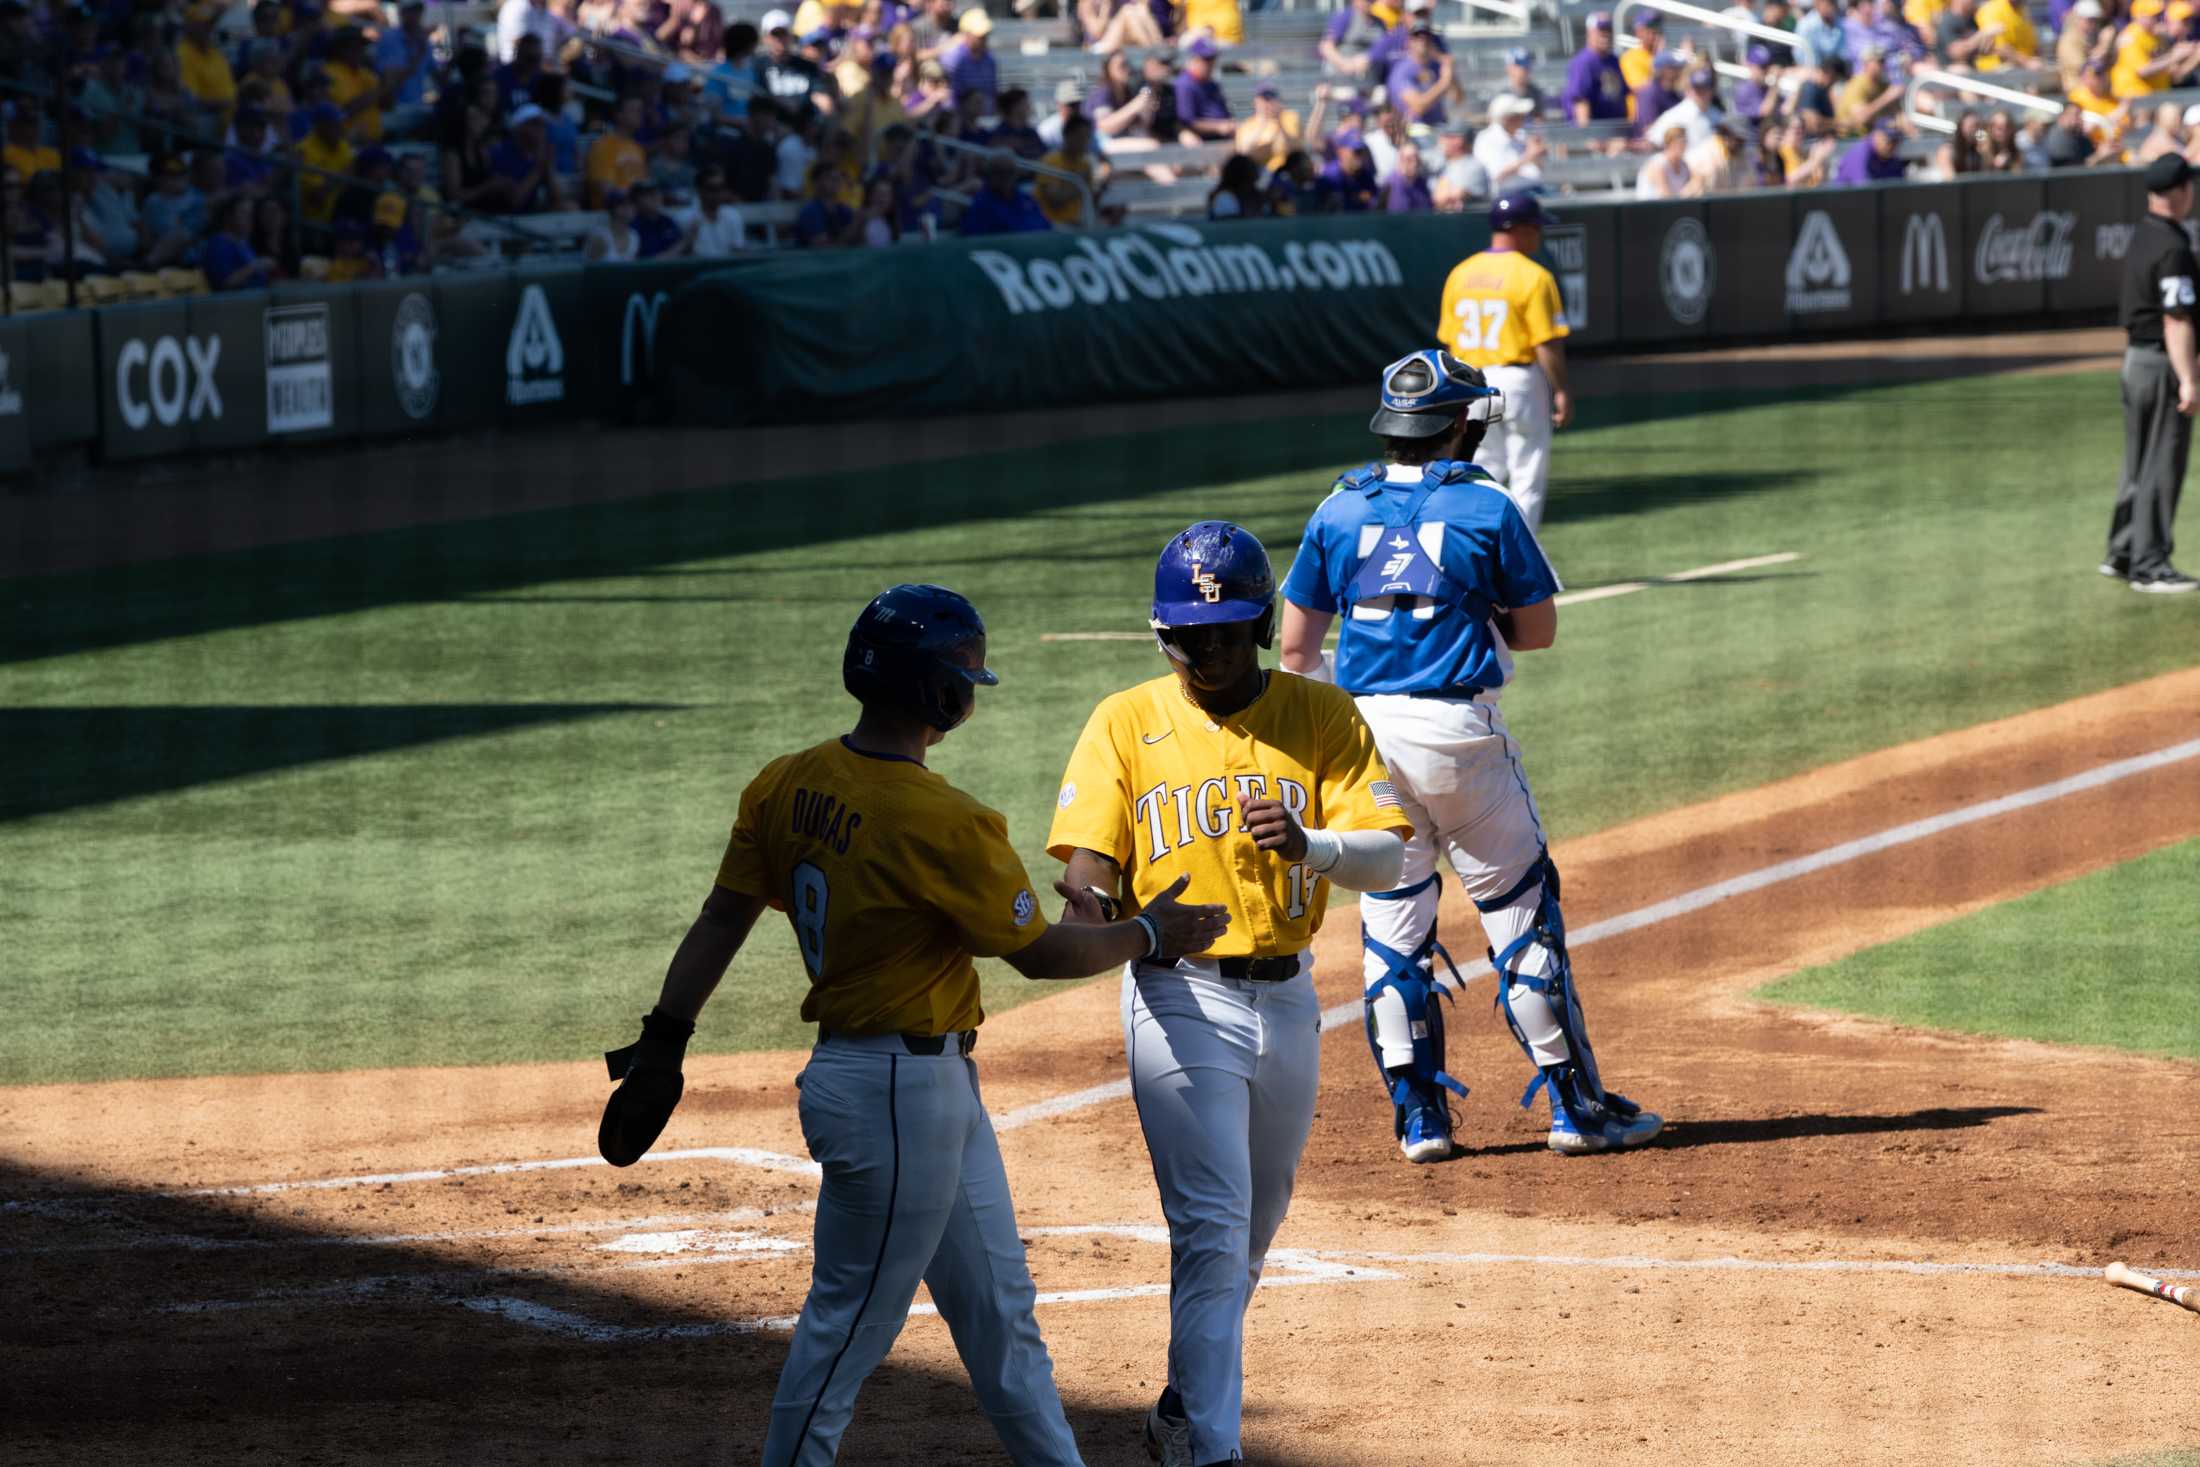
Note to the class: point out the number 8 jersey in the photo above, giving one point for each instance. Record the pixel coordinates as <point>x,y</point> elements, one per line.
<point>1498,307</point>
<point>893,879</point>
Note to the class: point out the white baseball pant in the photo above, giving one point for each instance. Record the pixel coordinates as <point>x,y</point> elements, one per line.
<point>913,1188</point>
<point>1457,773</point>
<point>1224,1074</point>
<point>1517,452</point>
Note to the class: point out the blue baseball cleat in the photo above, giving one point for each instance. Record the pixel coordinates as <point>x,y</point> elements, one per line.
<point>1427,1135</point>
<point>1625,1125</point>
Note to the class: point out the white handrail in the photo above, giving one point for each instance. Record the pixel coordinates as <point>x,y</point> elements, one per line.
<point>1501,7</point>
<point>1701,16</point>
<point>1969,86</point>
<point>1084,189</point>
<point>1723,68</point>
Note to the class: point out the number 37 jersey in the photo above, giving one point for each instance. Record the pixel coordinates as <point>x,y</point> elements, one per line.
<point>1498,307</point>
<point>1153,785</point>
<point>893,879</point>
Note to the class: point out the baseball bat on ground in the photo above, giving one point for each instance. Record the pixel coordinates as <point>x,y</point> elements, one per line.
<point>2183,1297</point>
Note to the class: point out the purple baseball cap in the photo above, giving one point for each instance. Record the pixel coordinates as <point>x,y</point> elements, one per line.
<point>1203,48</point>
<point>1701,77</point>
<point>1760,55</point>
<point>1600,20</point>
<point>1665,61</point>
<point>1520,56</point>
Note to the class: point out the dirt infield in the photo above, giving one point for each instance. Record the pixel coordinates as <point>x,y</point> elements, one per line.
<point>1855,1242</point>
<point>1849,1232</point>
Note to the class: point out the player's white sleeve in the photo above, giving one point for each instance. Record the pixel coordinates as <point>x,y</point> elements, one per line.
<point>1324,671</point>
<point>1357,860</point>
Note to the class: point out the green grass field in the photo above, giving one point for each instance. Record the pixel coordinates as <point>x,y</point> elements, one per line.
<point>451,795</point>
<point>2106,959</point>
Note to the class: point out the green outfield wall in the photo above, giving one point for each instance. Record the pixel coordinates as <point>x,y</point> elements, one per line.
<point>1160,309</point>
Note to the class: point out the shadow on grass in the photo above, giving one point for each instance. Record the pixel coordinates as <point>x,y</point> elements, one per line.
<point>65,758</point>
<point>50,616</point>
<point>1616,495</point>
<point>57,615</point>
<point>153,1327</point>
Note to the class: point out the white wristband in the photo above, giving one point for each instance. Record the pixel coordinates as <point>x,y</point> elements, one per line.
<point>1153,933</point>
<point>1323,848</point>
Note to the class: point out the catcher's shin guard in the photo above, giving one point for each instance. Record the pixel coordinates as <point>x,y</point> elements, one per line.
<point>1405,1023</point>
<point>1535,989</point>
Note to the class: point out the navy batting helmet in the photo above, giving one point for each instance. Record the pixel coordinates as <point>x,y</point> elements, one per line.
<point>901,654</point>
<point>1518,206</point>
<point>1214,572</point>
<point>1425,394</point>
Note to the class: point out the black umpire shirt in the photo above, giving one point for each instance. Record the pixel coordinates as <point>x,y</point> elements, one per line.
<point>2160,272</point>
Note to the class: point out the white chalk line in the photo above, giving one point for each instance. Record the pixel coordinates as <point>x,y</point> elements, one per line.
<point>1565,598</point>
<point>200,1243</point>
<point>1286,1268</point>
<point>79,1207</point>
<point>1700,573</point>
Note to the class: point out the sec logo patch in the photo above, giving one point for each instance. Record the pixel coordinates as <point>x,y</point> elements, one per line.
<point>1025,908</point>
<point>1069,792</point>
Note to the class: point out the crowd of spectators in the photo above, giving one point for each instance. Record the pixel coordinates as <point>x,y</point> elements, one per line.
<point>354,138</point>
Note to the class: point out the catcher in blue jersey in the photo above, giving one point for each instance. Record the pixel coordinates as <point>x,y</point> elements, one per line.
<point>1439,580</point>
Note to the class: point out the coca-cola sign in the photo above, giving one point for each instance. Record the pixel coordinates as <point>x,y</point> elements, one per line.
<point>2040,250</point>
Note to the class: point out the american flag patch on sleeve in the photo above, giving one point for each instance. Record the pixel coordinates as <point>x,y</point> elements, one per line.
<point>1386,795</point>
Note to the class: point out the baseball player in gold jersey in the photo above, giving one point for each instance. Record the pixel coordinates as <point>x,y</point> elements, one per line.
<point>893,879</point>
<point>1502,314</point>
<point>1265,789</point>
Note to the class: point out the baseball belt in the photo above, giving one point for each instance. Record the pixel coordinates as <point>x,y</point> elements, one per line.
<point>1259,970</point>
<point>963,1041</point>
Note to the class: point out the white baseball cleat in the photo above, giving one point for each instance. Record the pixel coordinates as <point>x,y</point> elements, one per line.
<point>1427,1135</point>
<point>1168,1438</point>
<point>1619,1132</point>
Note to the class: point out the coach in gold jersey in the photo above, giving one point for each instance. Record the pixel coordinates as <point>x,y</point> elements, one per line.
<point>1502,314</point>
<point>1264,789</point>
<point>893,879</point>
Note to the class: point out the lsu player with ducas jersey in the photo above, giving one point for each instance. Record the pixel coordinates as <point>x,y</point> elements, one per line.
<point>1438,579</point>
<point>893,879</point>
<point>1502,315</point>
<point>1264,790</point>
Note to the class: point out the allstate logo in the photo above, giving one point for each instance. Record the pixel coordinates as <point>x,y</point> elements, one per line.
<point>1687,270</point>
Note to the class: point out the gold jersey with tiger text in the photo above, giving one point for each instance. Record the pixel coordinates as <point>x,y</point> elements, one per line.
<point>893,878</point>
<point>1154,785</point>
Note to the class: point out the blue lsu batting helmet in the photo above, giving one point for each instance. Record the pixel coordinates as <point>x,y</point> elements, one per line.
<point>1212,573</point>
<point>1425,394</point>
<point>1517,206</point>
<point>900,654</point>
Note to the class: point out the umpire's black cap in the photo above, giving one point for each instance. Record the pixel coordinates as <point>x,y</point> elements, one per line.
<point>2167,173</point>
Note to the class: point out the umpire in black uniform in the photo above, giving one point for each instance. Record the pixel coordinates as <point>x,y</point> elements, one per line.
<point>2161,384</point>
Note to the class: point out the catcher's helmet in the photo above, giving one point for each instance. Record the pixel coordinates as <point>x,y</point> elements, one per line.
<point>1424,396</point>
<point>1518,206</point>
<point>899,654</point>
<point>1212,573</point>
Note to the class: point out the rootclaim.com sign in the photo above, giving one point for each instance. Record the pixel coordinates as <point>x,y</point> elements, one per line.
<point>1167,261</point>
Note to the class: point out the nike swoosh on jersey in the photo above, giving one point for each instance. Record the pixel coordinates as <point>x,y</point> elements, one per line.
<point>1155,738</point>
